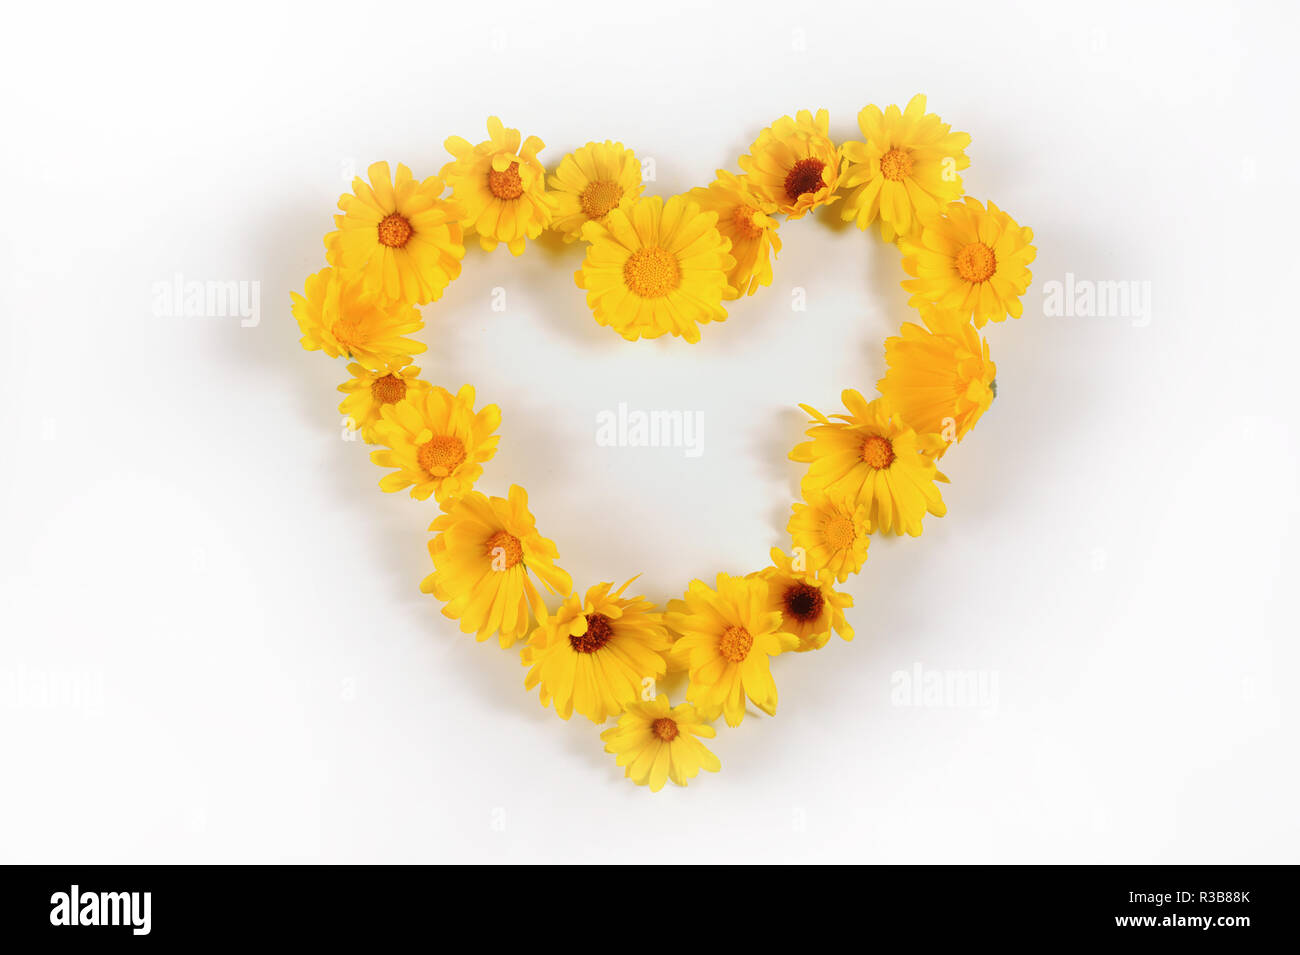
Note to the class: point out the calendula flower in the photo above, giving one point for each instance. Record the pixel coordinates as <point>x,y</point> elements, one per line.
<point>833,533</point>
<point>398,235</point>
<point>940,377</point>
<point>807,600</point>
<point>595,654</point>
<point>589,182</point>
<point>971,260</point>
<point>483,552</point>
<point>501,186</point>
<point>368,391</point>
<point>657,743</point>
<point>745,219</point>
<point>794,164</point>
<point>656,267</point>
<point>726,636</point>
<point>873,456</point>
<point>339,317</point>
<point>436,442</point>
<point>906,170</point>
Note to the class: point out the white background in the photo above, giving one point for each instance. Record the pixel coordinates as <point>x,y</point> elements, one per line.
<point>214,645</point>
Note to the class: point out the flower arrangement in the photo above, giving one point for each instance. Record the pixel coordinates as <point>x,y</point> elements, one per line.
<point>656,266</point>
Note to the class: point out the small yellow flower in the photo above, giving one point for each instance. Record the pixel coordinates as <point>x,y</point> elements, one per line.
<point>368,392</point>
<point>832,532</point>
<point>589,182</point>
<point>501,186</point>
<point>656,743</point>
<point>905,171</point>
<point>436,442</point>
<point>483,551</point>
<point>794,164</point>
<point>745,219</point>
<point>340,318</point>
<point>808,602</point>
<point>595,654</point>
<point>970,260</point>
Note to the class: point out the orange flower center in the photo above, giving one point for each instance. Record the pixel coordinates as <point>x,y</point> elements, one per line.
<point>877,452</point>
<point>743,220</point>
<point>599,197</point>
<point>804,176</point>
<point>840,533</point>
<point>506,184</point>
<point>735,644</point>
<point>388,390</point>
<point>652,272</point>
<point>347,332</point>
<point>599,632</point>
<point>975,262</point>
<point>896,164</point>
<point>803,602</point>
<point>665,729</point>
<point>504,544</point>
<point>394,231</point>
<point>441,454</point>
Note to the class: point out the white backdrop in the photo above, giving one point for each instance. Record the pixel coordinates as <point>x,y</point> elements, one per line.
<point>214,645</point>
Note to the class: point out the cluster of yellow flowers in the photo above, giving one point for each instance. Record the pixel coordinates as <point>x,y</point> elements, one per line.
<point>656,266</point>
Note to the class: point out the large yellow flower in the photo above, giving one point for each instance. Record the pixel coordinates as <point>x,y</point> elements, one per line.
<point>940,377</point>
<point>339,317</point>
<point>971,260</point>
<point>436,442</point>
<point>369,391</point>
<point>657,743</point>
<point>906,170</point>
<point>794,164</point>
<point>726,638</point>
<point>656,267</point>
<point>483,552</point>
<point>595,655</point>
<point>398,235</point>
<point>501,187</point>
<point>833,532</point>
<point>589,182</point>
<point>873,456</point>
<point>807,600</point>
<point>745,219</point>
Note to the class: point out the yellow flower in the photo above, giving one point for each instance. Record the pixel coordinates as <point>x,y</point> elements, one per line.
<point>339,317</point>
<point>482,554</point>
<point>501,187</point>
<point>656,267</point>
<point>971,260</point>
<point>906,170</point>
<point>833,532</point>
<point>589,182</point>
<point>593,655</point>
<point>794,164</point>
<point>436,442</point>
<point>808,602</point>
<point>747,221</point>
<point>656,743</point>
<point>726,638</point>
<point>368,392</point>
<point>398,235</point>
<point>940,377</point>
<point>877,459</point>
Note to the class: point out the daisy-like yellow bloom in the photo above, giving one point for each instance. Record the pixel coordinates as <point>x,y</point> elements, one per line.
<point>871,455</point>
<point>436,442</point>
<point>591,181</point>
<point>656,267</point>
<point>593,654</point>
<point>808,602</point>
<point>339,317</point>
<point>745,219</point>
<point>940,376</point>
<point>833,532</point>
<point>657,743</point>
<point>399,235</point>
<point>501,186</point>
<point>483,551</point>
<point>971,260</point>
<point>726,636</point>
<point>368,391</point>
<point>794,164</point>
<point>907,168</point>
